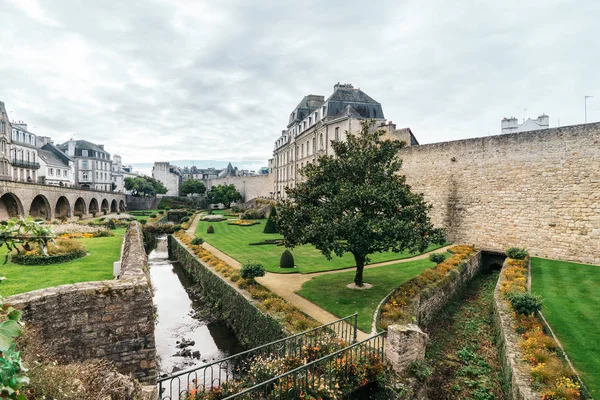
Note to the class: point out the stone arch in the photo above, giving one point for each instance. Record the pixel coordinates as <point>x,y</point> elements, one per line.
<point>80,208</point>
<point>40,208</point>
<point>93,208</point>
<point>113,206</point>
<point>104,206</point>
<point>121,206</point>
<point>10,206</point>
<point>62,208</point>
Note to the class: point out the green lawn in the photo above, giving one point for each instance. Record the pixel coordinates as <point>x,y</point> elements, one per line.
<point>98,265</point>
<point>330,291</point>
<point>234,241</point>
<point>571,295</point>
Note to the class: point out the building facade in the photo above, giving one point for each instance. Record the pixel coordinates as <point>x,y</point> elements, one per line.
<point>511,125</point>
<point>92,164</point>
<point>169,175</point>
<point>56,168</point>
<point>5,135</point>
<point>315,123</point>
<point>23,153</point>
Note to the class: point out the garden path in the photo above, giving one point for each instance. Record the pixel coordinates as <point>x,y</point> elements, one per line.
<point>192,229</point>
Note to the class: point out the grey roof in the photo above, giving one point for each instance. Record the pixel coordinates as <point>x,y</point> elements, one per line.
<point>51,159</point>
<point>57,152</point>
<point>362,104</point>
<point>83,145</point>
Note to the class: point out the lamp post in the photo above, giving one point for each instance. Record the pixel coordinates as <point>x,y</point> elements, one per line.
<point>585,106</point>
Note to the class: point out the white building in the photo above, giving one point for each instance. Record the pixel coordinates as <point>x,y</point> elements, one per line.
<point>120,172</point>
<point>23,153</point>
<point>169,175</point>
<point>511,125</point>
<point>56,168</point>
<point>92,164</point>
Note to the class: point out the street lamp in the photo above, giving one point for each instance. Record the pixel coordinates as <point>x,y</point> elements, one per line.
<point>585,106</point>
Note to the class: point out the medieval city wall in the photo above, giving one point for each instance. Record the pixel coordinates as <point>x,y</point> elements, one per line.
<point>250,187</point>
<point>539,190</point>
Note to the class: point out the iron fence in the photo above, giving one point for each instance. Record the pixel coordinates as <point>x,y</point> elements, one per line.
<point>215,374</point>
<point>331,377</point>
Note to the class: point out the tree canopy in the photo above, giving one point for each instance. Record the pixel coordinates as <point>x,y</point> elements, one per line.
<point>357,202</point>
<point>225,194</point>
<point>144,186</point>
<point>192,186</point>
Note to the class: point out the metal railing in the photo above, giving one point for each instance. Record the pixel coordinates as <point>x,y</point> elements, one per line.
<point>214,374</point>
<point>26,164</point>
<point>333,376</point>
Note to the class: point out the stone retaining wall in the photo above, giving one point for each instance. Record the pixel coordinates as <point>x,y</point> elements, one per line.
<point>111,320</point>
<point>251,326</point>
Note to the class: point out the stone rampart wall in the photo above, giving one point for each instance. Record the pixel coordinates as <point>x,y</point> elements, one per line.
<point>142,203</point>
<point>538,189</point>
<point>111,320</point>
<point>249,187</point>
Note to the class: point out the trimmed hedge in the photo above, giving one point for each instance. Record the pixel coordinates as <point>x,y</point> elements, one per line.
<point>286,260</point>
<point>47,260</point>
<point>249,324</point>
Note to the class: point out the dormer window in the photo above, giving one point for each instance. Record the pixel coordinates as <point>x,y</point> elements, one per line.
<point>84,153</point>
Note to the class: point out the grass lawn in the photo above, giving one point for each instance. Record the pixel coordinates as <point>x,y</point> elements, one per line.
<point>98,265</point>
<point>571,295</point>
<point>330,291</point>
<point>234,241</point>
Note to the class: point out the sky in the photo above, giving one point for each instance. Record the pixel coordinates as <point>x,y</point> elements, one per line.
<point>216,80</point>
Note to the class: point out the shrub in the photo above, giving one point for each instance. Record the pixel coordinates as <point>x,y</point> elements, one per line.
<point>252,214</point>
<point>177,227</point>
<point>419,370</point>
<point>63,251</point>
<point>516,253</point>
<point>190,213</point>
<point>211,229</point>
<point>525,303</point>
<point>143,222</point>
<point>152,215</point>
<point>197,241</point>
<point>251,271</point>
<point>437,257</point>
<point>286,260</point>
<point>105,211</point>
<point>111,224</point>
<point>185,219</point>
<point>160,212</point>
<point>271,226</point>
<point>167,208</point>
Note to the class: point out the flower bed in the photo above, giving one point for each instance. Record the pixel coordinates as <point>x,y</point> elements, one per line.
<point>213,218</point>
<point>549,375</point>
<point>400,307</point>
<point>291,317</point>
<point>74,230</point>
<point>63,250</point>
<point>243,222</point>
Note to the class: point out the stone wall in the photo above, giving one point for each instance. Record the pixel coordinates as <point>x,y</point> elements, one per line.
<point>249,187</point>
<point>537,189</point>
<point>111,320</point>
<point>142,203</point>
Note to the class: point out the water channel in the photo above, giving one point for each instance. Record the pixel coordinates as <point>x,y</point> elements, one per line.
<point>186,334</point>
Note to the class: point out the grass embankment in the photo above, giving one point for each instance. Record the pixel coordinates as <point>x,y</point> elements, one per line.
<point>235,241</point>
<point>96,266</point>
<point>571,294</point>
<point>142,215</point>
<point>462,355</point>
<point>330,292</point>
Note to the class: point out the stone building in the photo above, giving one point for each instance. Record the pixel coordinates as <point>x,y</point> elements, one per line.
<point>5,130</point>
<point>23,153</point>
<point>511,125</point>
<point>169,175</point>
<point>316,122</point>
<point>92,164</point>
<point>120,172</point>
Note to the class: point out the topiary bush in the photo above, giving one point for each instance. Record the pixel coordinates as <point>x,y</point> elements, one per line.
<point>197,240</point>
<point>286,260</point>
<point>185,219</point>
<point>252,270</point>
<point>143,222</point>
<point>525,303</point>
<point>111,224</point>
<point>211,229</point>
<point>517,253</point>
<point>271,226</point>
<point>152,215</point>
<point>160,211</point>
<point>437,257</point>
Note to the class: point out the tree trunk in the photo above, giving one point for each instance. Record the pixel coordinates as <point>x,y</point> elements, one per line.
<point>360,266</point>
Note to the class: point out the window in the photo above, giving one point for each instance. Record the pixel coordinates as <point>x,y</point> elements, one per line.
<point>2,127</point>
<point>321,142</point>
<point>337,133</point>
<point>3,147</point>
<point>51,171</point>
<point>84,164</point>
<point>302,152</point>
<point>84,176</point>
<point>84,153</point>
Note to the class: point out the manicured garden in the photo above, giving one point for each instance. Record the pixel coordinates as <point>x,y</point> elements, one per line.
<point>330,292</point>
<point>235,241</point>
<point>571,294</point>
<point>98,265</point>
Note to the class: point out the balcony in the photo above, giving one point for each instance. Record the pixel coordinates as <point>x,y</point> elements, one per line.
<point>24,164</point>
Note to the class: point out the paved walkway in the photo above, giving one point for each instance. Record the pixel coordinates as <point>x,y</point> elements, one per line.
<point>192,229</point>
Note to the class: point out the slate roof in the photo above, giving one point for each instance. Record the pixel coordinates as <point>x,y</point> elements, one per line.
<point>83,145</point>
<point>51,159</point>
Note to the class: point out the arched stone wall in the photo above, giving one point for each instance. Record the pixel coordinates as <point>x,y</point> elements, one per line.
<point>104,205</point>
<point>10,206</point>
<point>80,207</point>
<point>93,206</point>
<point>113,206</point>
<point>62,208</point>
<point>40,208</point>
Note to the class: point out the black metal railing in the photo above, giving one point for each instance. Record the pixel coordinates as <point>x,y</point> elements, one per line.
<point>24,164</point>
<point>215,374</point>
<point>333,376</point>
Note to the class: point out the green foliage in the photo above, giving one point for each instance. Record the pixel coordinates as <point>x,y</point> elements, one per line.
<point>111,224</point>
<point>517,253</point>
<point>26,233</point>
<point>225,194</point>
<point>437,257</point>
<point>271,225</point>
<point>252,270</point>
<point>252,213</point>
<point>153,215</point>
<point>420,370</point>
<point>211,229</point>
<point>144,186</point>
<point>185,219</point>
<point>197,241</point>
<point>192,186</point>
<point>143,221</point>
<point>525,303</point>
<point>286,260</point>
<point>357,202</point>
<point>23,259</point>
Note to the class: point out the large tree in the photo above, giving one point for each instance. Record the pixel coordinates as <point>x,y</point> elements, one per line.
<point>144,186</point>
<point>192,186</point>
<point>225,194</point>
<point>357,202</point>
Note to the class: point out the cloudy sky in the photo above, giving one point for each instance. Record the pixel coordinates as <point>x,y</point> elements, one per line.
<point>191,79</point>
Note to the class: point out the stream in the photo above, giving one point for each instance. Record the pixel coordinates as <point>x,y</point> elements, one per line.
<point>186,334</point>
